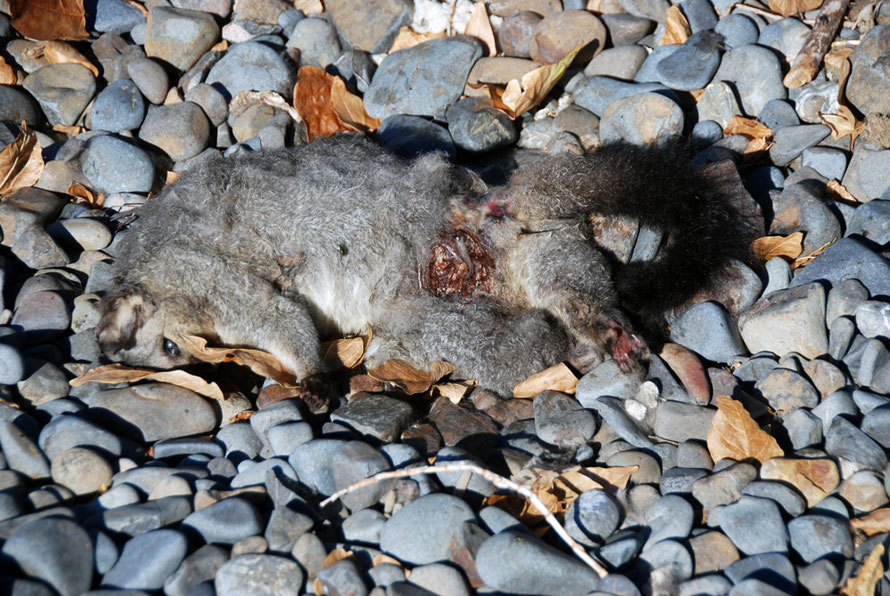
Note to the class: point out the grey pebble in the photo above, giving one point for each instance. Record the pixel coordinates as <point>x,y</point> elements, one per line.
<point>16,105</point>
<point>620,62</point>
<point>240,441</point>
<point>377,416</point>
<point>848,259</point>
<point>621,548</point>
<point>147,560</point>
<point>801,208</point>
<point>785,390</point>
<point>617,419</point>
<point>788,321</point>
<point>560,420</point>
<point>113,164</point>
<point>285,527</point>
<point>342,577</point>
<point>804,428</point>
<point>693,65</point>
<point>815,536</point>
<point>181,130</point>
<point>420,532</point>
<point>710,585</point>
<point>410,136</point>
<point>869,86</point>
<point>82,470</point>
<point>607,379</point>
<point>598,92</point>
<point>284,438</point>
<point>317,41</point>
<point>725,486</point>
<point>314,462</point>
<point>42,316</point>
<point>871,221</point>
<point>440,578</point>
<point>116,16</point>
<point>62,90</point>
<point>252,65</point>
<point>756,73</point>
<point>671,516</point>
<point>21,453</point>
<point>778,273</point>
<point>475,126</point>
<point>844,440</point>
<point>138,518</point>
<point>872,173</point>
<point>252,473</point>
<point>179,36</point>
<point>643,119</point>
<point>678,421</point>
<point>754,525</point>
<point>836,404</point>
<point>778,114</point>
<point>150,77</point>
<point>774,567</point>
<point>737,30</point>
<point>876,424</point>
<point>819,577</point>
<point>199,566</point>
<point>593,517</point>
<point>515,563</point>
<point>785,35</point>
<point>707,329</point>
<point>789,499</point>
<point>828,161</point>
<point>12,365</point>
<point>118,107</point>
<point>55,550</point>
<point>363,526</point>
<point>259,574</point>
<point>678,480</point>
<point>672,555</point>
<point>213,102</point>
<point>791,141</point>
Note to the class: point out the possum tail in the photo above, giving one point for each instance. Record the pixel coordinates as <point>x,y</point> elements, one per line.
<point>704,212</point>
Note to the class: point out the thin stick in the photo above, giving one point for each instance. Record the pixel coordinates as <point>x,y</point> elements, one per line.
<point>497,480</point>
<point>807,62</point>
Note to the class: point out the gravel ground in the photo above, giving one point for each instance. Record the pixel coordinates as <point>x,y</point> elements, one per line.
<point>750,459</point>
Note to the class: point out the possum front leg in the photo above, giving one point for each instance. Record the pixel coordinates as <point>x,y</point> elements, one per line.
<point>482,339</point>
<point>560,271</point>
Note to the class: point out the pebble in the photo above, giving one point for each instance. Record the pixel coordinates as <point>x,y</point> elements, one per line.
<point>559,33</point>
<point>562,421</point>
<point>644,119</point>
<point>785,35</point>
<point>420,532</point>
<point>786,390</point>
<point>868,86</point>
<point>179,36</point>
<point>849,259</point>
<point>678,421</point>
<point>377,416</point>
<point>356,461</point>
<point>150,78</point>
<point>692,65</point>
<point>593,517</point>
<point>815,536</point>
<point>21,453</point>
<point>116,16</point>
<point>211,101</point>
<point>754,525</point>
<point>82,470</point>
<point>626,29</point>
<point>147,560</point>
<point>181,130</point>
<point>474,126</point>
<point>259,574</point>
<point>54,550</point>
<point>819,577</point>
<point>252,65</point>
<point>597,93</point>
<point>844,440</point>
<point>225,522</point>
<point>62,90</point>
<point>788,321</point>
<point>112,164</point>
<point>516,33</point>
<point>422,80</point>
<point>778,114</point>
<point>514,562</point>
<point>671,516</point>
<point>774,567</point>
<point>118,107</point>
<point>707,329</point>
<point>864,492</point>
<point>872,171</point>
<point>369,26</point>
<point>756,73</point>
<point>12,365</point>
<point>621,62</point>
<point>199,566</point>
<point>737,30</point>
<point>80,234</point>
<point>16,106</point>
<point>317,41</point>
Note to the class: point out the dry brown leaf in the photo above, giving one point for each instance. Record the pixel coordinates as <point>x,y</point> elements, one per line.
<point>82,194</point>
<point>138,7</point>
<point>788,247</point>
<point>843,123</point>
<point>814,478</point>
<point>594,6</point>
<point>171,177</point>
<point>749,128</point>
<point>408,38</point>
<point>21,162</point>
<point>313,101</point>
<point>59,52</point>
<point>7,74</point>
<point>68,130</point>
<point>734,434</point>
<point>787,8</point>
<point>834,60</point>
<point>676,27</point>
<point>409,379</point>
<point>381,558</point>
<point>118,373</point>
<point>556,378</point>
<point>220,46</point>
<point>871,572</point>
<point>521,95</point>
<point>49,19</point>
<point>260,362</point>
<point>876,522</point>
<point>453,391</point>
<point>344,353</point>
<point>840,193</point>
<point>309,7</point>
<point>559,492</point>
<point>350,109</point>
<point>480,27</point>
<point>805,260</point>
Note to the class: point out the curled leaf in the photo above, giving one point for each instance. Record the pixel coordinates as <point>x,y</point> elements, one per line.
<point>876,522</point>
<point>843,123</point>
<point>49,19</point>
<point>7,74</point>
<point>676,27</point>
<point>788,247</point>
<point>480,27</point>
<point>260,362</point>
<point>350,109</point>
<point>118,373</point>
<point>326,106</point>
<point>409,379</point>
<point>556,378</point>
<point>344,353</point>
<point>839,192</point>
<point>68,130</point>
<point>59,52</point>
<point>454,391</point>
<point>82,194</point>
<point>521,95</point>
<point>788,8</point>
<point>734,434</point>
<point>21,162</point>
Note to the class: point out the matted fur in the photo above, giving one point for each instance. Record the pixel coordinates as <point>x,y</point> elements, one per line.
<point>275,250</point>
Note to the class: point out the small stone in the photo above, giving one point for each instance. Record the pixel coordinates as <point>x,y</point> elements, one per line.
<point>804,429</point>
<point>112,164</point>
<point>643,119</point>
<point>670,516</point>
<point>150,77</point>
<point>620,62</point>
<point>198,567</point>
<point>179,36</point>
<point>440,578</point>
<point>47,383</point>
<point>561,32</point>
<point>370,26</point>
<point>772,566</point>
<point>256,473</point>
<point>317,41</point>
<point>848,259</point>
<point>116,16</point>
<point>814,536</point>
<point>42,316</point>
<point>82,470</point>
<point>516,33</point>
<point>54,550</point>
<point>712,551</point>
<point>819,577</point>
<point>670,555</point>
<point>593,517</point>
<point>801,209</point>
<point>118,107</point>
<point>778,114</point>
<point>422,80</point>
<point>725,486</point>
<point>828,161</point>
<point>705,584</point>
<point>754,525</point>
<point>871,170</point>
<point>679,480</point>
<point>310,552</point>
<point>692,65</point>
<point>284,438</point>
<point>626,29</point>
<point>814,478</point>
<point>560,420</point>
<point>342,577</point>
<point>377,416</point>
<point>475,126</point>
<point>240,441</point>
<point>785,390</point>
<point>16,105</point>
<point>515,563</point>
<point>147,560</point>
<point>844,440</point>
<point>864,491</point>
<point>598,92</point>
<point>617,419</point>
<point>707,330</point>
<point>737,30</point>
<point>420,532</point>
<point>719,104</point>
<point>12,365</point>
<point>80,234</point>
<point>62,90</point>
<point>785,35</point>
<point>677,421</point>
<point>21,454</point>
<point>788,321</point>
<point>138,518</point>
<point>154,411</point>
<point>869,85</point>
<point>225,522</point>
<point>252,65</point>
<point>463,427</point>
<point>181,130</point>
<point>756,73</point>
<point>211,101</point>
<point>356,461</point>
<point>791,141</point>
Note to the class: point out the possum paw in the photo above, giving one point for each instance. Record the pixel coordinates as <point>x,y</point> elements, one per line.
<point>315,391</point>
<point>626,348</point>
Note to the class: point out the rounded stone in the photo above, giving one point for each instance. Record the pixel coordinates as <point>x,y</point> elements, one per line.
<point>86,234</point>
<point>225,522</point>
<point>12,365</point>
<point>252,65</point>
<point>147,560</point>
<point>815,536</point>
<point>561,32</point>
<point>756,73</point>
<point>420,532</point>
<point>118,107</point>
<point>642,119</point>
<point>181,130</point>
<point>62,90</point>
<point>708,330</point>
<point>82,470</point>
<point>111,164</point>
<point>259,575</point>
<point>150,78</point>
<point>179,36</point>
<point>16,105</point>
<point>317,41</point>
<point>516,32</point>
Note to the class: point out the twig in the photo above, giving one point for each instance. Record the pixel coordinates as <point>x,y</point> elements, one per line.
<point>497,480</point>
<point>807,62</point>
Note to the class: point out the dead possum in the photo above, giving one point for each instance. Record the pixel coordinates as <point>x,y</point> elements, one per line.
<point>279,249</point>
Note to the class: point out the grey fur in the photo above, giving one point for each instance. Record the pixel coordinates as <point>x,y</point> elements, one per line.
<point>278,249</point>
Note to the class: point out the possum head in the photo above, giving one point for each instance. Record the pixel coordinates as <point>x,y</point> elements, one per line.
<point>140,331</point>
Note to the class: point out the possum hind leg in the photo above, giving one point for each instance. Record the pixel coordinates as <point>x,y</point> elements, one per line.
<point>483,340</point>
<point>560,271</point>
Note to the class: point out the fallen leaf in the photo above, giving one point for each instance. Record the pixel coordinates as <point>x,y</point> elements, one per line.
<point>220,46</point>
<point>759,135</point>
<point>350,109</point>
<point>82,194</point>
<point>805,260</point>
<point>309,7</point>
<point>381,558</point>
<point>260,362</point>
<point>876,522</point>
<point>843,123</point>
<point>138,7</point>
<point>244,99</point>
<point>49,19</point>
<point>560,491</point>
<point>59,52</point>
<point>453,391</point>
<point>7,74</point>
<point>68,130</point>
<point>21,162</point>
<point>312,100</point>
<point>344,353</point>
<point>118,373</point>
<point>408,38</point>
<point>788,247</point>
<point>556,378</point>
<point>814,478</point>
<point>521,95</point>
<point>834,60</point>
<point>676,27</point>
<point>480,27</point>
<point>840,192</point>
<point>171,177</point>
<point>240,416</point>
<point>787,8</point>
<point>871,572</point>
<point>409,379</point>
<point>734,434</point>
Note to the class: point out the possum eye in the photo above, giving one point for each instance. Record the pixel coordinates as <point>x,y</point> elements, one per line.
<point>170,348</point>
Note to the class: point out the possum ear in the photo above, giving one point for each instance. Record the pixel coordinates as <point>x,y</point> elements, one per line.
<point>122,316</point>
